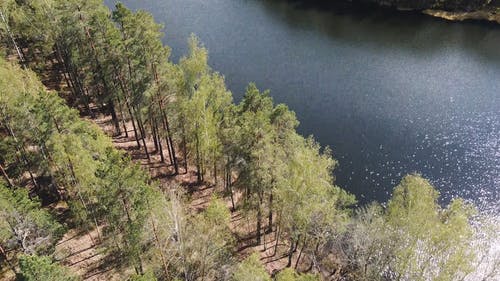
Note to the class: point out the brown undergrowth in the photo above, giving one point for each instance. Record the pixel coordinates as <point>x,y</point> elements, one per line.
<point>199,195</point>
<point>80,251</point>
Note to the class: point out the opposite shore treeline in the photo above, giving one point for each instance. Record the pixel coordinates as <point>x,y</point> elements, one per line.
<point>61,172</point>
<point>454,10</point>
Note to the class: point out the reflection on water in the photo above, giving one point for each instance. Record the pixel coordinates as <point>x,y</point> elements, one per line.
<point>390,93</point>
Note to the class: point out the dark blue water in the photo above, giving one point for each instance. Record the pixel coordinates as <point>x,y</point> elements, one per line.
<point>390,93</point>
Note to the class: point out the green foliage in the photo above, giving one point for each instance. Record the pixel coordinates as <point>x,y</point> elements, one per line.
<point>197,247</point>
<point>24,225</point>
<point>368,244</point>
<point>255,140</point>
<point>101,185</point>
<point>165,229</point>
<point>432,241</point>
<point>141,48</point>
<point>193,66</point>
<point>41,268</point>
<point>289,274</point>
<point>144,277</point>
<point>203,106</point>
<point>204,112</point>
<point>209,251</point>
<point>19,90</point>
<point>217,213</point>
<point>27,20</point>
<point>123,200</point>
<point>251,269</point>
<point>312,210</point>
<point>413,239</point>
<point>308,198</point>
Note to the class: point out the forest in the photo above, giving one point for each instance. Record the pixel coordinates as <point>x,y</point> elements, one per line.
<point>152,168</point>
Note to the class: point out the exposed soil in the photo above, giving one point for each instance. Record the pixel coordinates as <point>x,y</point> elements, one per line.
<point>84,257</point>
<point>81,251</point>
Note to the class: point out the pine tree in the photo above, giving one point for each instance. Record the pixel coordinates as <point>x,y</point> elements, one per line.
<point>25,227</point>
<point>193,67</point>
<point>311,207</point>
<point>203,123</point>
<point>251,269</point>
<point>255,144</point>
<point>124,199</point>
<point>41,268</point>
<point>162,101</point>
<point>290,275</point>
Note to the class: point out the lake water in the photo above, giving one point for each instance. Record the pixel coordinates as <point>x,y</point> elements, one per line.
<point>391,93</point>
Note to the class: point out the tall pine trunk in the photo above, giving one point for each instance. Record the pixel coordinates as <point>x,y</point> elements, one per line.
<point>18,50</point>
<point>270,214</point>
<point>107,92</point>
<point>66,70</point>
<point>198,157</point>
<point>315,252</point>
<point>259,219</point>
<point>184,148</point>
<point>6,177</point>
<point>300,252</point>
<point>160,248</point>
<point>160,146</point>
<point>143,133</point>
<point>215,169</point>
<point>170,142</point>
<point>290,253</point>
<point>120,107</point>
<point>114,117</point>
<point>276,238</point>
<point>132,119</point>
<point>9,264</point>
<point>138,267</point>
<point>170,148</point>
<point>154,135</point>
<point>22,151</point>
<point>125,92</point>
<point>227,183</point>
<point>75,184</point>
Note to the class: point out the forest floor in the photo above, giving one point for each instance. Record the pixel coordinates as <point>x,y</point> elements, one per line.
<point>81,251</point>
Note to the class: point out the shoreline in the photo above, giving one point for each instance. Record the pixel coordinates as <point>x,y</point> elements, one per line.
<point>486,14</point>
<point>481,15</point>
